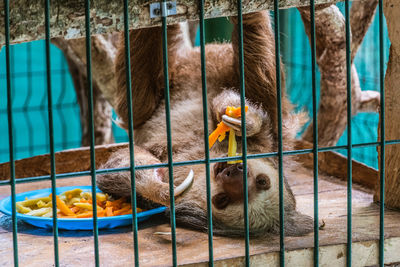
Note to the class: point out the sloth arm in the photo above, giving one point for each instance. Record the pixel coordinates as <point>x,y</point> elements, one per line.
<point>146,71</point>
<point>259,64</point>
<point>150,183</point>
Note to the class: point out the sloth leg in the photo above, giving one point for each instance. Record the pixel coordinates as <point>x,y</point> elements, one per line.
<point>255,116</point>
<point>146,71</point>
<point>149,182</point>
<point>259,64</point>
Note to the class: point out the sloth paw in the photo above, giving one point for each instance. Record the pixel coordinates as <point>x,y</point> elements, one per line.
<point>253,123</point>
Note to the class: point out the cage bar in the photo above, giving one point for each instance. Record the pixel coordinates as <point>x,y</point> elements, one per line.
<point>10,131</point>
<point>206,143</point>
<point>280,146</point>
<point>244,138</point>
<point>130,133</point>
<point>195,162</point>
<point>315,132</point>
<point>169,139</point>
<point>29,95</point>
<point>382,141</point>
<point>63,143</point>
<point>53,176</point>
<point>51,134</point>
<point>349,141</point>
<point>92,137</point>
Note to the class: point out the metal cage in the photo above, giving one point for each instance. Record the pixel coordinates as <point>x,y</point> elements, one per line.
<point>280,153</point>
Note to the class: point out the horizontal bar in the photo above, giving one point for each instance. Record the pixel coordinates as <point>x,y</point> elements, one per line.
<point>195,162</point>
<point>20,149</point>
<point>108,16</point>
<point>38,73</point>
<point>41,107</point>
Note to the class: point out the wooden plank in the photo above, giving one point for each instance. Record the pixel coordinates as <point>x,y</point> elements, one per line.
<point>72,160</point>
<point>67,17</point>
<point>392,108</point>
<point>335,164</point>
<point>76,248</point>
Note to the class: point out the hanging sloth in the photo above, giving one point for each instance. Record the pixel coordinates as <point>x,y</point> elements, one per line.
<point>187,129</point>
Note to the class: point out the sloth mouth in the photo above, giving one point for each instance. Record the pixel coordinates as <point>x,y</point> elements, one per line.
<point>229,179</point>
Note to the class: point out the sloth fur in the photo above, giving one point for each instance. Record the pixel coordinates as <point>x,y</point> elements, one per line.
<point>187,129</point>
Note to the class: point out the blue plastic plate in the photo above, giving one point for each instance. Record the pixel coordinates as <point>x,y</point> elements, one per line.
<point>72,223</point>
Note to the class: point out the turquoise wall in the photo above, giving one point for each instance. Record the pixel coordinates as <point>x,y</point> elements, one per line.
<point>30,118</point>
<point>297,58</point>
<point>30,97</point>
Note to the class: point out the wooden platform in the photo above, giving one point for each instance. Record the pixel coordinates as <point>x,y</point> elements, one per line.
<point>116,246</point>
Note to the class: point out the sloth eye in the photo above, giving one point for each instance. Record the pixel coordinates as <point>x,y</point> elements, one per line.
<point>221,200</point>
<point>263,182</point>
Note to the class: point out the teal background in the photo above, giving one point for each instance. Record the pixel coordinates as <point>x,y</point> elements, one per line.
<point>30,98</point>
<point>297,58</point>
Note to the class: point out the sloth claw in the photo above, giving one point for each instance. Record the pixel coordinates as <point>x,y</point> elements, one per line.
<point>184,185</point>
<point>253,124</point>
<point>235,124</point>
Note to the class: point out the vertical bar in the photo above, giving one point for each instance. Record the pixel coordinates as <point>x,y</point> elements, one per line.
<point>51,132</point>
<point>244,139</point>
<point>206,144</point>
<point>315,132</point>
<point>169,140</point>
<point>383,142</point>
<point>60,100</point>
<point>349,141</point>
<point>130,131</point>
<point>10,131</point>
<point>91,123</point>
<point>29,95</point>
<point>280,148</point>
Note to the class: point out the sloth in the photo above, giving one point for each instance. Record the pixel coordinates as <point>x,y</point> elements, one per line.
<point>187,129</point>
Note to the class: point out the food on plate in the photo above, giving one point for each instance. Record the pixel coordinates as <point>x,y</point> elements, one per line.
<point>75,203</point>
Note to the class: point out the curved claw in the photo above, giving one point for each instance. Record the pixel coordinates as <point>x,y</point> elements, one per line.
<point>232,122</point>
<point>185,184</point>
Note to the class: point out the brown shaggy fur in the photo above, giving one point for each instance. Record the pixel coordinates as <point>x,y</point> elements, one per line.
<point>188,132</point>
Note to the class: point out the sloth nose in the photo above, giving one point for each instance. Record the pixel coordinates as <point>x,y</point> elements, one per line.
<point>225,171</point>
<point>230,177</point>
<point>233,172</point>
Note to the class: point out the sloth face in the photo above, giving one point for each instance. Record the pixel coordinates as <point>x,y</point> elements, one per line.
<point>263,193</point>
<point>229,178</point>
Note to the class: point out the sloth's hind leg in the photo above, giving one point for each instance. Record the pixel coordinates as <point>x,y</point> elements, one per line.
<point>150,183</point>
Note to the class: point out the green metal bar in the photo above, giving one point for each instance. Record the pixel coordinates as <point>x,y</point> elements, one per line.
<point>38,73</point>
<point>195,162</point>
<point>168,122</point>
<point>315,132</point>
<point>60,102</point>
<point>51,132</point>
<point>92,137</point>
<point>383,143</point>
<point>38,108</point>
<point>280,147</point>
<point>244,139</point>
<point>130,132</point>
<point>206,144</point>
<point>349,141</point>
<point>29,96</point>
<point>10,131</point>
